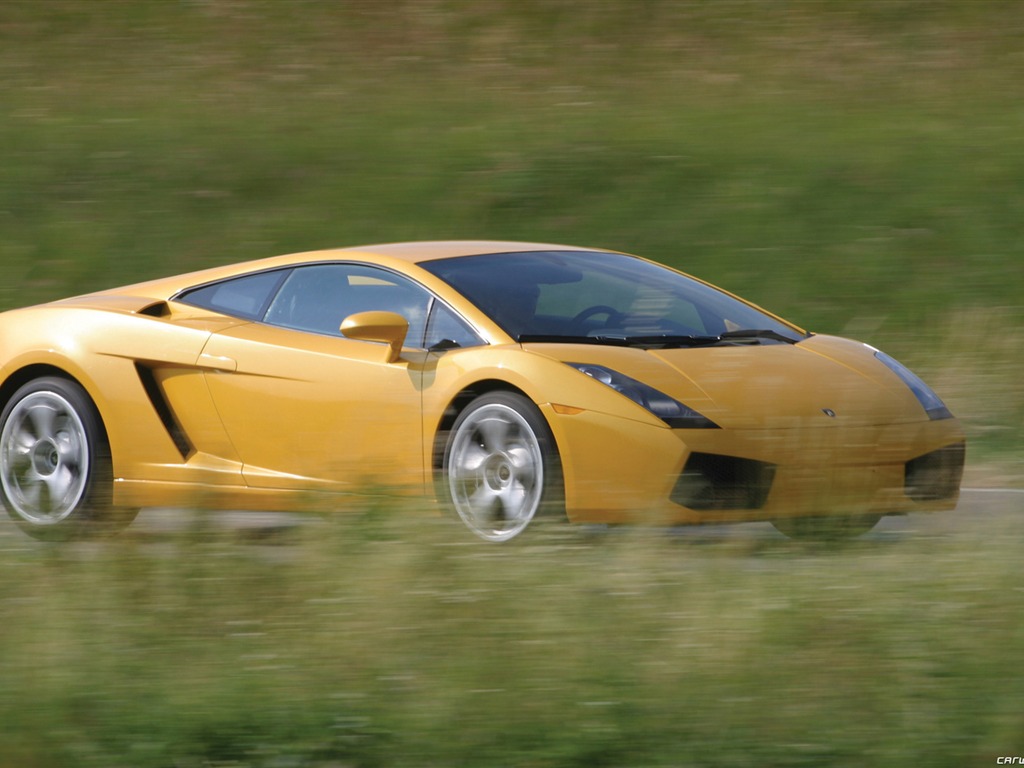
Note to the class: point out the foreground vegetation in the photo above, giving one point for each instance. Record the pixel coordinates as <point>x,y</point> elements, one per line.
<point>389,638</point>
<point>853,166</point>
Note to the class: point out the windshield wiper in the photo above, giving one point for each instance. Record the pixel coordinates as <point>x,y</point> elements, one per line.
<point>556,338</point>
<point>758,333</point>
<point>658,341</point>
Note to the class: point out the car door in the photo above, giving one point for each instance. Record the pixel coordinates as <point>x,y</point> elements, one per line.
<point>306,407</point>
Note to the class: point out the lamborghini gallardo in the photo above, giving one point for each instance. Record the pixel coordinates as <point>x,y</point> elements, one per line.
<point>501,381</point>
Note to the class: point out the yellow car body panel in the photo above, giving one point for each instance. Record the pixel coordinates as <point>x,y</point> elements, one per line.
<point>329,429</point>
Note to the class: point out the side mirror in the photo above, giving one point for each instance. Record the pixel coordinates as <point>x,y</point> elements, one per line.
<point>384,327</point>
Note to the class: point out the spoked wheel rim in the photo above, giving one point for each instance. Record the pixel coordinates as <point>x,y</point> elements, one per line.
<point>496,472</point>
<point>44,458</point>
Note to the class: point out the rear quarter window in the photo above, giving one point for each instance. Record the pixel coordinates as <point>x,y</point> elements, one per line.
<point>240,297</point>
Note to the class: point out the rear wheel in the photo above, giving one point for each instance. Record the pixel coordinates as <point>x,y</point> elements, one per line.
<point>501,467</point>
<point>55,469</point>
<point>836,528</point>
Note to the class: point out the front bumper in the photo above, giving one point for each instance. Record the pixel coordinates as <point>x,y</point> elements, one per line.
<point>621,471</point>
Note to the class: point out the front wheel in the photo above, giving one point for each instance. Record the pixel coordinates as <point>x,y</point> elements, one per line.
<point>836,528</point>
<point>501,467</point>
<point>55,468</point>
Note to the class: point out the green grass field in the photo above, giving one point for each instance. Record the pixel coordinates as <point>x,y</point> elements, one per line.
<point>854,167</point>
<point>386,638</point>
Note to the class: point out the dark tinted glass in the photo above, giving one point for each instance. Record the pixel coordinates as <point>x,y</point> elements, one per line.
<point>240,297</point>
<point>572,293</point>
<point>318,298</point>
<point>446,329</point>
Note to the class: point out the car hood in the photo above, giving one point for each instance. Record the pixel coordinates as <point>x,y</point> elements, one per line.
<point>823,381</point>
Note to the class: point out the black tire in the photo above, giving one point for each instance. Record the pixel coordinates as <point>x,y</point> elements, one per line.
<point>501,468</point>
<point>836,528</point>
<point>56,480</point>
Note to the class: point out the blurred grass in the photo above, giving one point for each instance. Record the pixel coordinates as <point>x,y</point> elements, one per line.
<point>854,167</point>
<point>390,639</point>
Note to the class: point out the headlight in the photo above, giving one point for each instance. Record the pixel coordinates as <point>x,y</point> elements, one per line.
<point>933,406</point>
<point>669,410</point>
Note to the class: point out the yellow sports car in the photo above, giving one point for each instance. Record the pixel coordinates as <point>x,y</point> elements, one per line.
<point>507,380</point>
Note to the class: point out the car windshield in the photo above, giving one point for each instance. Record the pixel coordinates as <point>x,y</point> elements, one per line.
<point>604,298</point>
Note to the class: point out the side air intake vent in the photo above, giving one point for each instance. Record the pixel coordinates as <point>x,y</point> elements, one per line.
<point>713,482</point>
<point>163,410</point>
<point>156,309</point>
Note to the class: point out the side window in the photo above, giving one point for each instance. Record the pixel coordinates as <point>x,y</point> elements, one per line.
<point>318,298</point>
<point>311,300</point>
<point>445,329</point>
<point>240,297</point>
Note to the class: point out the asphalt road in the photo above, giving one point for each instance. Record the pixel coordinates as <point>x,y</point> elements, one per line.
<point>981,512</point>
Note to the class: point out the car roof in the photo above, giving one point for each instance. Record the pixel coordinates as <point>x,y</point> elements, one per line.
<point>382,254</point>
<point>412,252</point>
<point>417,252</point>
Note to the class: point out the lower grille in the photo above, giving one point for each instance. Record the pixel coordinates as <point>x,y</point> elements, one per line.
<point>710,482</point>
<point>935,475</point>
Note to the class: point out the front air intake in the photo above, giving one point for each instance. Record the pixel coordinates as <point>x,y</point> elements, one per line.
<point>936,475</point>
<point>713,482</point>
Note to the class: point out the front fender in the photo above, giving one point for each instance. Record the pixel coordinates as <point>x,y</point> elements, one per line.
<point>99,350</point>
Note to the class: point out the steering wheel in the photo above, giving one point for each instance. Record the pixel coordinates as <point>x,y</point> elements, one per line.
<point>598,309</point>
